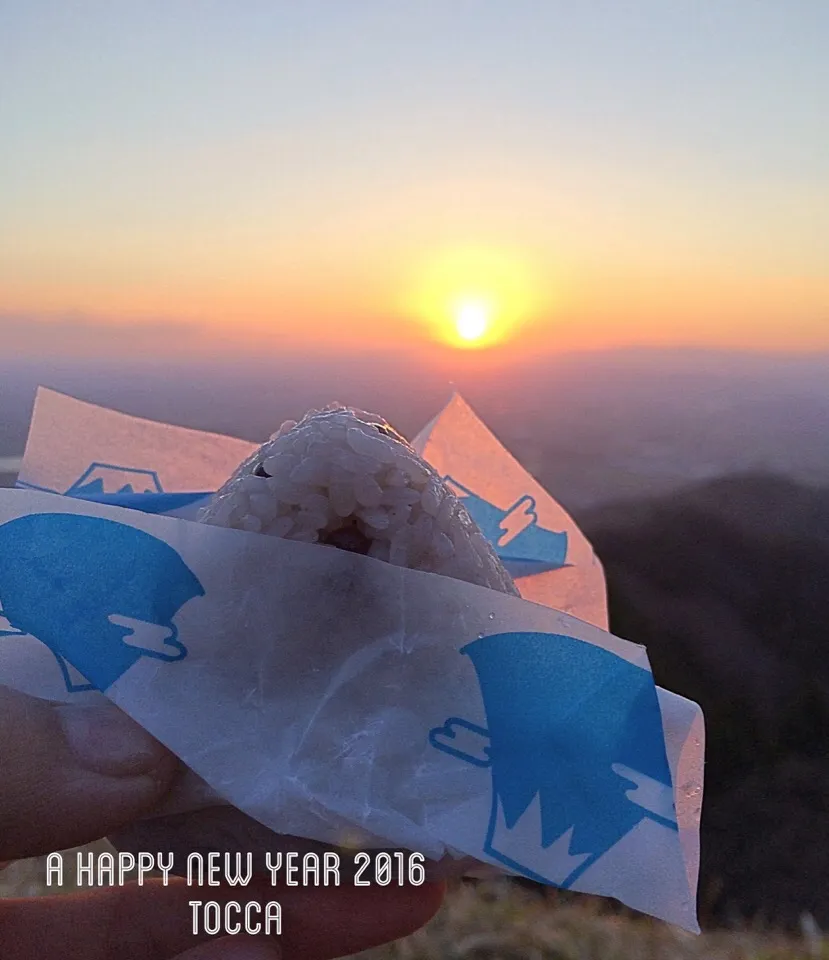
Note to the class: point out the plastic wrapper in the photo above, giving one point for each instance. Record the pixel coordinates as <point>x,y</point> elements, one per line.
<point>343,699</point>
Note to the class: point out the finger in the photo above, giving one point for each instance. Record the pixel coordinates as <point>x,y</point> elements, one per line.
<point>154,922</point>
<point>70,773</point>
<point>233,948</point>
<point>224,830</point>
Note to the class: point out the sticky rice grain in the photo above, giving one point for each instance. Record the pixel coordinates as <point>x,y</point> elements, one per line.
<point>344,478</point>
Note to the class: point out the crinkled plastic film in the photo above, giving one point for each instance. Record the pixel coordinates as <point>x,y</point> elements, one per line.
<point>336,697</point>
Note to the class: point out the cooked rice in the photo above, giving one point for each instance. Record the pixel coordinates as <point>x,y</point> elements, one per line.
<point>345,478</point>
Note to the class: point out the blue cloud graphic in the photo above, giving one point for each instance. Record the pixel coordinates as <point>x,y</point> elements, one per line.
<point>523,545</point>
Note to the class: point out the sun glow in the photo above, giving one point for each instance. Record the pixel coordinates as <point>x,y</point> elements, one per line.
<point>472,298</point>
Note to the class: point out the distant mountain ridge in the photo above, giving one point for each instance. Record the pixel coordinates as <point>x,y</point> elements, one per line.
<point>592,427</point>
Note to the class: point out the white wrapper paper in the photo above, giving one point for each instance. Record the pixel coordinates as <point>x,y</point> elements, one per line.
<point>327,694</point>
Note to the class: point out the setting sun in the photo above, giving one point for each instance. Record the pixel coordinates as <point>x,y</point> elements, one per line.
<point>473,297</point>
<point>472,319</point>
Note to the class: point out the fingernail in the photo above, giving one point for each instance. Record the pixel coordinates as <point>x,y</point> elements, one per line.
<point>104,739</point>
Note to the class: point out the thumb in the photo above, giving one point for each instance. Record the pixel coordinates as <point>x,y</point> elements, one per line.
<point>233,948</point>
<point>70,774</point>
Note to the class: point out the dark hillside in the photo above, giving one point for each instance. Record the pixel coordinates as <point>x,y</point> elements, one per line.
<point>727,584</point>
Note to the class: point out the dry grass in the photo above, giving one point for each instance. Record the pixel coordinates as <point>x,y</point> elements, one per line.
<point>498,921</point>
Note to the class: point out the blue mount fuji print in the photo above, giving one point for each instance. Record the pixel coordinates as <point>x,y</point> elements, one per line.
<point>575,745</point>
<point>102,478</point>
<point>99,594</point>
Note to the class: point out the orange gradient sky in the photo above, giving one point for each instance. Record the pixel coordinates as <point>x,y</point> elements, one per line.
<point>600,174</point>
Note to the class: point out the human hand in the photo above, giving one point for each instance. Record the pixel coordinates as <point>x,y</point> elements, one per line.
<point>70,774</point>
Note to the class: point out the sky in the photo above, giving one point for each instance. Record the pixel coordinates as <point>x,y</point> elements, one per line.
<point>360,173</point>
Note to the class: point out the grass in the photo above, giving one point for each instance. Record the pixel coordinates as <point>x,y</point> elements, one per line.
<point>500,921</point>
<point>497,921</point>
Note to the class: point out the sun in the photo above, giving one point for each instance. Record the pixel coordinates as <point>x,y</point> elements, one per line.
<point>472,297</point>
<point>472,319</point>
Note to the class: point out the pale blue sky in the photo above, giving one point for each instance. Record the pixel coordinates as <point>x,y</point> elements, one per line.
<point>162,143</point>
